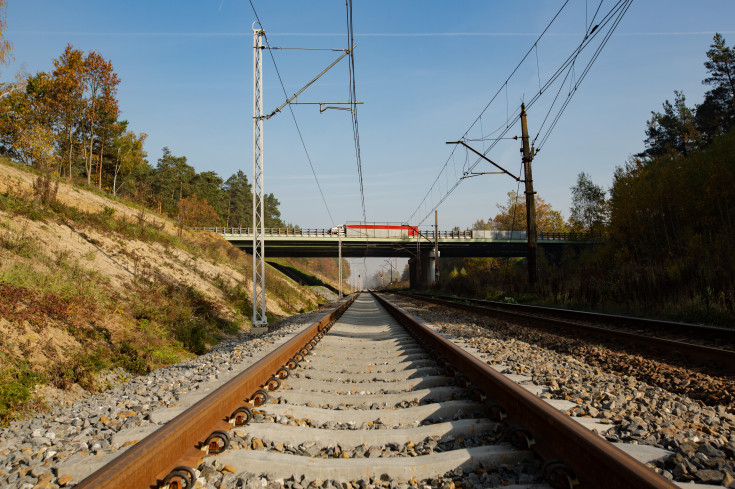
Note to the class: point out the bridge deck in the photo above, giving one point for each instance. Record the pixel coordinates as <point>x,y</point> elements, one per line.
<point>325,242</point>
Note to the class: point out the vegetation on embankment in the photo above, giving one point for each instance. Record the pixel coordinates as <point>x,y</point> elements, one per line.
<point>314,272</point>
<point>669,221</point>
<point>89,284</point>
<point>68,122</point>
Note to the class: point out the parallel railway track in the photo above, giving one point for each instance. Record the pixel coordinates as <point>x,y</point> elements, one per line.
<point>706,345</point>
<point>371,392</point>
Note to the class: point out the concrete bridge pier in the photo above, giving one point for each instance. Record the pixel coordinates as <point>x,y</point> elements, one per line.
<point>413,271</point>
<point>424,278</point>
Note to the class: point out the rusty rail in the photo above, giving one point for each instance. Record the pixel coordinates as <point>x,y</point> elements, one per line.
<point>722,358</point>
<point>178,441</point>
<point>552,435</point>
<point>714,333</point>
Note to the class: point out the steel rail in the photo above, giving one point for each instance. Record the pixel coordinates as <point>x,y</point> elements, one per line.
<point>178,442</point>
<point>711,332</point>
<point>724,359</point>
<point>553,435</point>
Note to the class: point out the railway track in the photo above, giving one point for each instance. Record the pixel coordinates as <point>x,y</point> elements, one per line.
<point>711,346</point>
<point>371,396</point>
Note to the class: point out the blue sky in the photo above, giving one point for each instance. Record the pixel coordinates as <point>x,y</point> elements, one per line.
<point>424,71</point>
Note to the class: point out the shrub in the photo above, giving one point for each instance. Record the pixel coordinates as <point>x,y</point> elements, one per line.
<point>17,380</point>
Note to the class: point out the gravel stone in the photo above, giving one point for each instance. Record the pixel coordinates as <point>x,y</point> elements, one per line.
<point>82,424</point>
<point>678,410</point>
<point>646,402</point>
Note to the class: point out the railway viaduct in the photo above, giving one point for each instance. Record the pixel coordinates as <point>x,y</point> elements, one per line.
<point>389,243</point>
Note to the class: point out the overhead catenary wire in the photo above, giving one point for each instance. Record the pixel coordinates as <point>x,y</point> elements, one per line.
<point>589,35</point>
<point>592,20</point>
<point>305,49</point>
<point>492,99</point>
<point>353,105</point>
<point>355,125</point>
<point>520,63</point>
<point>613,16</point>
<point>293,116</point>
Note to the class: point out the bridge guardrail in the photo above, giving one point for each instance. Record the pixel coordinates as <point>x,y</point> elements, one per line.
<point>469,234</point>
<point>238,231</point>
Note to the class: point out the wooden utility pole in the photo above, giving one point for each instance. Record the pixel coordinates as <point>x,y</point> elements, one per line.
<point>339,260</point>
<point>436,247</point>
<point>419,277</point>
<point>528,154</point>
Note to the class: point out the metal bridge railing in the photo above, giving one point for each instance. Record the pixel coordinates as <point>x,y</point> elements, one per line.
<point>239,231</point>
<point>459,235</point>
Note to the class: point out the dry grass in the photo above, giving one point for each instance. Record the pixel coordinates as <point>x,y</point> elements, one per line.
<point>88,284</point>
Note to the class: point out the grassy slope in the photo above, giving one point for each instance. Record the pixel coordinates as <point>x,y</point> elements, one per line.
<point>297,275</point>
<point>316,271</point>
<point>89,284</point>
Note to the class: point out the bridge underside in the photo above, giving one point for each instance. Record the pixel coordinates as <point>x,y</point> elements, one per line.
<point>449,248</point>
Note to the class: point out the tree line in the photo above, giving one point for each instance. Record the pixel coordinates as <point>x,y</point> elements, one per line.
<point>66,123</point>
<point>669,217</point>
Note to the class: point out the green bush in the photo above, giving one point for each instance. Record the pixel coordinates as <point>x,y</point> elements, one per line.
<point>16,383</point>
<point>193,334</point>
<point>130,359</point>
<point>81,368</point>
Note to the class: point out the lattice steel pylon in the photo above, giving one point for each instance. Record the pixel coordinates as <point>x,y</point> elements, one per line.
<point>259,316</point>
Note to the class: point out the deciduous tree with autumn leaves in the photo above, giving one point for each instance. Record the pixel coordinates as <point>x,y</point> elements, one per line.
<point>77,104</point>
<point>669,221</point>
<point>67,123</point>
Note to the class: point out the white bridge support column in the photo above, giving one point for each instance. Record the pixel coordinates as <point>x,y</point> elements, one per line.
<point>428,264</point>
<point>422,277</point>
<point>259,316</point>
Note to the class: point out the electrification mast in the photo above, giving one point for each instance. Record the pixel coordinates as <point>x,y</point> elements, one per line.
<point>259,316</point>
<point>528,154</point>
